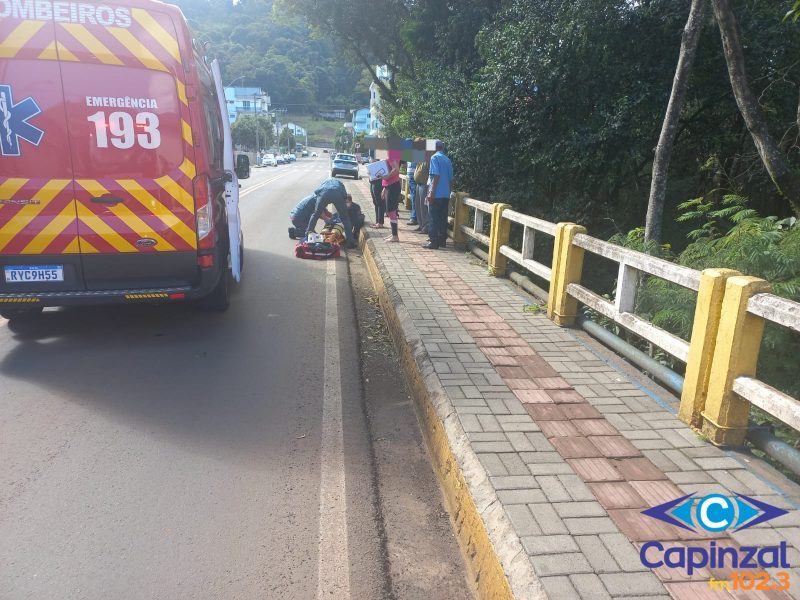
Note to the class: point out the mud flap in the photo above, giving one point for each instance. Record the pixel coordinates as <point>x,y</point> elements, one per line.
<point>232,186</point>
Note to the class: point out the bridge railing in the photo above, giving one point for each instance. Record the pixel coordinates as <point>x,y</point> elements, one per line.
<point>730,314</point>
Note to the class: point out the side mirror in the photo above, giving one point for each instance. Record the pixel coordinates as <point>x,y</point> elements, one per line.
<point>242,166</point>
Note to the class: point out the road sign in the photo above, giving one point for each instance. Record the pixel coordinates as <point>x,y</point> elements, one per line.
<point>358,145</point>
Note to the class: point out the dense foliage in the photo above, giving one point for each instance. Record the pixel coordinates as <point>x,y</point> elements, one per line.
<point>279,55</point>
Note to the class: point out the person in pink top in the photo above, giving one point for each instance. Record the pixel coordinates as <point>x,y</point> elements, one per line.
<point>391,195</point>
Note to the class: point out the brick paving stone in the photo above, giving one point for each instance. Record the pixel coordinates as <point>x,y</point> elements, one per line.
<point>574,446</point>
<point>553,489</point>
<point>579,509</point>
<point>641,528</point>
<point>718,463</point>
<point>624,552</point>
<point>558,587</point>
<point>595,469</point>
<point>594,426</point>
<point>514,482</point>
<point>556,468</point>
<point>614,446</point>
<point>547,518</point>
<point>617,494</point>
<point>533,396</point>
<point>521,384</point>
<point>560,564</point>
<point>660,460</point>
<point>526,496</point>
<point>513,464</point>
<point>597,554</point>
<point>627,584</point>
<point>588,585</point>
<point>523,520</point>
<point>580,410</point>
<point>520,442</point>
<point>489,423</point>
<point>638,469</point>
<point>553,429</point>
<point>560,396</point>
<point>493,465</point>
<point>576,488</point>
<point>549,544</point>
<point>590,525</point>
<point>656,492</point>
<point>546,412</point>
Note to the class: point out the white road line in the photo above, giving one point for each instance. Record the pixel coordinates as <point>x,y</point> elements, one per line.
<point>258,186</point>
<point>333,579</point>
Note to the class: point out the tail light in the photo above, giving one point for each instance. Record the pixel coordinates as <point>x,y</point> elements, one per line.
<point>204,212</point>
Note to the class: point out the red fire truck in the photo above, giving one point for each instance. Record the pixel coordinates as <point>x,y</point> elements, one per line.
<point>113,159</point>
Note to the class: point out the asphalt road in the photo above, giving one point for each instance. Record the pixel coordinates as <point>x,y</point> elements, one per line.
<point>163,452</point>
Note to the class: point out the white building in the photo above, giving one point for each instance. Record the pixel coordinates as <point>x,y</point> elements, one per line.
<point>373,124</point>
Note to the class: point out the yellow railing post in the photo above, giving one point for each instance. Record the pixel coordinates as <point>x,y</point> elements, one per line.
<point>567,268</point>
<point>707,314</point>
<point>498,236</point>
<point>735,354</point>
<point>406,187</point>
<point>460,218</point>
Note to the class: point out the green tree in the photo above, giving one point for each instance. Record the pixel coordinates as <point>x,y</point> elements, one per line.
<point>247,128</point>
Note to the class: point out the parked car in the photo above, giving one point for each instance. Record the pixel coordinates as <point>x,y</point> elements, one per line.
<point>324,150</point>
<point>313,155</point>
<point>345,164</point>
<point>304,153</point>
<point>269,160</point>
<point>279,159</point>
<point>292,157</point>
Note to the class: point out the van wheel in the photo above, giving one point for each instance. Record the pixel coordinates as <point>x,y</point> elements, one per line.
<point>28,312</point>
<point>219,298</point>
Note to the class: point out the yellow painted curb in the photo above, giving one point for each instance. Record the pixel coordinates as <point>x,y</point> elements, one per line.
<point>484,567</point>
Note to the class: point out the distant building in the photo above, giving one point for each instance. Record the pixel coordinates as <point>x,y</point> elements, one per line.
<point>333,115</point>
<point>374,125</point>
<point>360,122</point>
<point>247,101</point>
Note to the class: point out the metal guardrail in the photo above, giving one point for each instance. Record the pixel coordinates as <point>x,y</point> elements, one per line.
<point>731,311</point>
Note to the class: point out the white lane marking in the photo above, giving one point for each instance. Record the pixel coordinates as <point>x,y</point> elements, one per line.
<point>257,186</point>
<point>333,580</point>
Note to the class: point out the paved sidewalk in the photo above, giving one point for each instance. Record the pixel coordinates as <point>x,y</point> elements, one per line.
<point>572,447</point>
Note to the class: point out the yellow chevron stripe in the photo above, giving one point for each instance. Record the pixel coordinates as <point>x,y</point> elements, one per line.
<point>126,215</point>
<point>101,228</point>
<point>137,49</point>
<point>182,92</point>
<point>10,187</point>
<point>187,132</point>
<point>50,190</point>
<point>23,218</point>
<point>18,38</point>
<point>170,186</point>
<point>161,35</point>
<point>187,168</point>
<point>91,43</point>
<point>65,54</point>
<point>49,53</point>
<point>51,231</point>
<point>74,247</point>
<point>152,204</point>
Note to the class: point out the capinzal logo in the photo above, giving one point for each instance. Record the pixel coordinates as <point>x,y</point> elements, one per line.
<point>14,124</point>
<point>715,512</point>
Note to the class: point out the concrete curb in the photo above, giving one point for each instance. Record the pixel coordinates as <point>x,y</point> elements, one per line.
<point>497,563</point>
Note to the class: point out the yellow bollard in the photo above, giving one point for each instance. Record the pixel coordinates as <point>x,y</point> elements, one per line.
<point>498,236</point>
<point>567,268</point>
<point>461,217</point>
<point>735,354</point>
<point>707,315</point>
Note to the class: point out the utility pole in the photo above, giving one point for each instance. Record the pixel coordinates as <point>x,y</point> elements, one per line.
<point>255,111</point>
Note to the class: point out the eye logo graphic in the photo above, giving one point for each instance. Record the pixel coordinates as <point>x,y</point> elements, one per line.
<point>14,124</point>
<point>714,512</point>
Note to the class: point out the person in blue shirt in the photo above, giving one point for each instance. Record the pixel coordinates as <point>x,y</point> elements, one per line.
<point>301,214</point>
<point>332,191</point>
<point>440,185</point>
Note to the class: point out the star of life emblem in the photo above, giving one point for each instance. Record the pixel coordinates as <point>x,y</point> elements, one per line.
<point>14,125</point>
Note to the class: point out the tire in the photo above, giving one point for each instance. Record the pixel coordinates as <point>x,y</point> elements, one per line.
<point>333,174</point>
<point>357,176</point>
<point>219,298</point>
<point>22,314</point>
